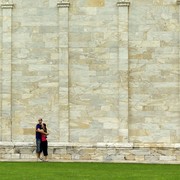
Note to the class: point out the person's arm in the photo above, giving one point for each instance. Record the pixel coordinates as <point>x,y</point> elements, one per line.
<point>41,131</point>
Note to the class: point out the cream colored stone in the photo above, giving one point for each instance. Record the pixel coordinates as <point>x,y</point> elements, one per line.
<point>96,71</point>
<point>130,157</point>
<point>139,158</point>
<point>95,3</point>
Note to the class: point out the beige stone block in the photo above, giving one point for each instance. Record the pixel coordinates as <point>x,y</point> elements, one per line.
<point>84,139</point>
<point>129,157</point>
<point>139,158</point>
<point>178,158</point>
<point>28,156</point>
<point>137,132</point>
<point>167,158</point>
<point>123,132</point>
<point>2,150</point>
<point>15,156</point>
<point>96,3</point>
<point>56,156</point>
<point>66,157</point>
<point>88,151</point>
<point>6,156</point>
<point>112,124</point>
<point>152,158</point>
<point>97,157</point>
<point>86,157</point>
<point>28,131</point>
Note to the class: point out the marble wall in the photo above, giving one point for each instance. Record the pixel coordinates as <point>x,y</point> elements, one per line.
<point>97,71</point>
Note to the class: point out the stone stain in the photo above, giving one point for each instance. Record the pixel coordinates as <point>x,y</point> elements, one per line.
<point>96,3</point>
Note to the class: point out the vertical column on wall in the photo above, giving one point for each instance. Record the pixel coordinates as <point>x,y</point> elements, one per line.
<point>63,71</point>
<point>123,7</point>
<point>6,124</point>
<point>178,3</point>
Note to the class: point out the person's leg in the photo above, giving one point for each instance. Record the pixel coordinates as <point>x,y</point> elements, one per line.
<point>38,155</point>
<point>42,147</point>
<point>45,150</point>
<point>38,148</point>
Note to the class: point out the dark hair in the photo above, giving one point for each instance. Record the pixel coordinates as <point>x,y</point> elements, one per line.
<point>44,127</point>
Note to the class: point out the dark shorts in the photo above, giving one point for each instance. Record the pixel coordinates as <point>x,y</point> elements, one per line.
<point>38,146</point>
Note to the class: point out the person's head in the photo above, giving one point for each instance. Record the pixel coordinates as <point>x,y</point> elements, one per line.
<point>44,127</point>
<point>40,120</point>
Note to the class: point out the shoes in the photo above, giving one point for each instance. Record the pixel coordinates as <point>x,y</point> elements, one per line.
<point>39,160</point>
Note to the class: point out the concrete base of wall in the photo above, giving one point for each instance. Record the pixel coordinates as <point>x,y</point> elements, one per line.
<point>99,152</point>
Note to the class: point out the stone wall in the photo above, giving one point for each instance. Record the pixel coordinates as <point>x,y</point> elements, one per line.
<point>104,76</point>
<point>97,152</point>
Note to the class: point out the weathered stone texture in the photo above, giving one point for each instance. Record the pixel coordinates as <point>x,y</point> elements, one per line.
<point>96,71</point>
<point>35,67</point>
<point>154,63</point>
<point>86,152</point>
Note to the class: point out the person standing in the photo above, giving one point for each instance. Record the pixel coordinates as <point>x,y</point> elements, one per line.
<point>39,132</point>
<point>44,142</point>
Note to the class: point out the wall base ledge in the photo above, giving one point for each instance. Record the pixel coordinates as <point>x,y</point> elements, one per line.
<point>95,145</point>
<point>98,152</point>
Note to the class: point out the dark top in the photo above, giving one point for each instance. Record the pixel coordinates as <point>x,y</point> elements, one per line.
<point>38,134</point>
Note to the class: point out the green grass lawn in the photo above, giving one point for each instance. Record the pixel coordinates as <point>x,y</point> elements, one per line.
<point>87,171</point>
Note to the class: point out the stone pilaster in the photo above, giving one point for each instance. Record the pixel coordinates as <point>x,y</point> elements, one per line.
<point>63,71</point>
<point>178,3</point>
<point>123,68</point>
<point>6,123</point>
